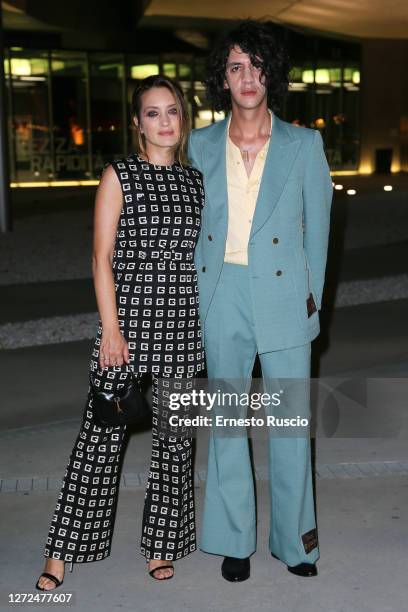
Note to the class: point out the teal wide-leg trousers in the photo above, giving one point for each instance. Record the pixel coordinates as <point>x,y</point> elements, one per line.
<point>229,521</point>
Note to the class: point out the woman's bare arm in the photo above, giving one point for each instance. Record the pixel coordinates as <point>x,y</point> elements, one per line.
<point>108,205</point>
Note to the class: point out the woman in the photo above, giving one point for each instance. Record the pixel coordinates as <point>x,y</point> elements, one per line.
<point>146,225</point>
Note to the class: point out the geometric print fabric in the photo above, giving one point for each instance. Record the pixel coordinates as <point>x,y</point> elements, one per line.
<point>157,301</point>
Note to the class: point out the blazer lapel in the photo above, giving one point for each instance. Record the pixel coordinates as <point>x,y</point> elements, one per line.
<point>282,152</point>
<point>216,169</point>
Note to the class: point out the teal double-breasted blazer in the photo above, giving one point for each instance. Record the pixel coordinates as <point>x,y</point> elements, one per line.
<point>287,248</point>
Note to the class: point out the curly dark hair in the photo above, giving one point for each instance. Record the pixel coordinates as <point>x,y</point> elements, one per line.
<point>256,38</point>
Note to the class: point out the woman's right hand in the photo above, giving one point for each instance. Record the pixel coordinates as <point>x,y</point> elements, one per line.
<point>113,350</point>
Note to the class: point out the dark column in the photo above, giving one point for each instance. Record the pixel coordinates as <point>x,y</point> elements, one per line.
<point>384,102</point>
<point>5,209</point>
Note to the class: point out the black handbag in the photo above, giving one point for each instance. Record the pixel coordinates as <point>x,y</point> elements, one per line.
<point>128,407</point>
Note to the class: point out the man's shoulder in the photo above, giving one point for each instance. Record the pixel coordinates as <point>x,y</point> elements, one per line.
<point>299,131</point>
<point>214,130</point>
<point>207,131</point>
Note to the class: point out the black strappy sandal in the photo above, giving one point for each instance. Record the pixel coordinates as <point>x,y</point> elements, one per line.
<point>54,579</point>
<point>155,569</point>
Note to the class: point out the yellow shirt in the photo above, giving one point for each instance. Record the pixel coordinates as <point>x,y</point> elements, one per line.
<point>242,196</point>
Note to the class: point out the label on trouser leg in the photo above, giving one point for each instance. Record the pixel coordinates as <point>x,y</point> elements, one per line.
<point>309,540</point>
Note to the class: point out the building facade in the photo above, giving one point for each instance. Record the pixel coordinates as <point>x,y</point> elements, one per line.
<point>68,110</point>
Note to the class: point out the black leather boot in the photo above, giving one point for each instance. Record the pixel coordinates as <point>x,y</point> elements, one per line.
<point>303,569</point>
<point>235,570</point>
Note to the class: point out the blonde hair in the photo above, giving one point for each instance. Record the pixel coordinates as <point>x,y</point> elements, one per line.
<point>174,87</point>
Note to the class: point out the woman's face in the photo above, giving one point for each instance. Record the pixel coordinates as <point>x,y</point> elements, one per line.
<point>160,121</point>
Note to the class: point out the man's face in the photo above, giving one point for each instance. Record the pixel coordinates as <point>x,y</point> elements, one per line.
<point>245,81</point>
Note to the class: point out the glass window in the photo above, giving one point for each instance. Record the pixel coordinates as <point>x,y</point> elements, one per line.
<point>349,117</point>
<point>299,102</point>
<point>203,113</point>
<point>9,118</point>
<point>184,71</point>
<point>199,69</point>
<point>29,102</point>
<point>109,125</point>
<point>69,111</point>
<point>323,93</point>
<point>138,67</point>
<point>170,70</point>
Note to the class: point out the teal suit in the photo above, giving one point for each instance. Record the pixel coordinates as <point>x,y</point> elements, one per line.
<point>262,308</point>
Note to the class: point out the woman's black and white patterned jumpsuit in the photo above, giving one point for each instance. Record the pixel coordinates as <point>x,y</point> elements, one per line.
<point>157,300</point>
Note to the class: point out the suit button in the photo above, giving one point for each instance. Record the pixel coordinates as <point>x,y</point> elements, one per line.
<point>209,237</point>
<point>203,269</point>
<point>275,240</point>
<point>278,272</point>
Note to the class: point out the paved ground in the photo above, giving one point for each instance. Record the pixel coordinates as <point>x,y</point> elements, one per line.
<point>361,483</point>
<point>362,531</point>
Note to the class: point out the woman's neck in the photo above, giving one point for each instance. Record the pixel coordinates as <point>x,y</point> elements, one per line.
<point>159,156</point>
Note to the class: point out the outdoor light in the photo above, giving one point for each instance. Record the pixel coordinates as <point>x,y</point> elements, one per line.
<point>338,186</point>
<point>143,71</point>
<point>387,187</point>
<point>51,183</point>
<point>322,75</point>
<point>351,192</point>
<point>339,118</point>
<point>308,76</point>
<point>206,115</point>
<point>356,76</point>
<point>32,78</point>
<point>57,65</point>
<point>20,66</point>
<point>297,86</point>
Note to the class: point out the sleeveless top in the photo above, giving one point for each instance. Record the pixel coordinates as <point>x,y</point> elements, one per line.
<point>154,273</point>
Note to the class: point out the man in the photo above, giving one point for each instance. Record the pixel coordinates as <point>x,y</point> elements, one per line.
<point>261,262</point>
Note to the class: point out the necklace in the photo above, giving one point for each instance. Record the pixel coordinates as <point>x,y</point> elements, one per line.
<point>245,152</point>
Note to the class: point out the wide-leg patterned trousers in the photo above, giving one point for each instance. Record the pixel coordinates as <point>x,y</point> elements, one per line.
<point>82,524</point>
